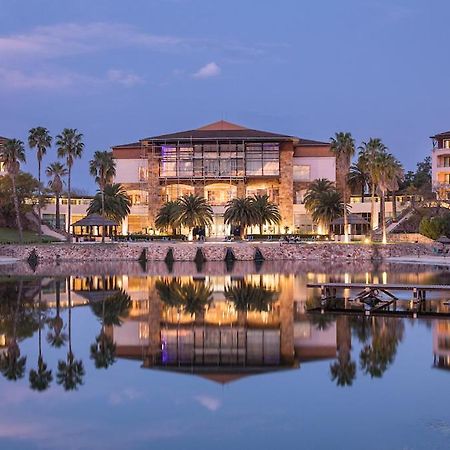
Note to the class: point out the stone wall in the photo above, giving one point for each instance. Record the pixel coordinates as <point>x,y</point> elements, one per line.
<point>243,251</point>
<point>410,237</point>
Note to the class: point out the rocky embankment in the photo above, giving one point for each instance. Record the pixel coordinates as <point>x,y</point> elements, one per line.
<point>242,251</point>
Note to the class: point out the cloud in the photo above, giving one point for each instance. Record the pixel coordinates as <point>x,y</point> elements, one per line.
<point>127,395</point>
<point>207,71</point>
<point>210,403</point>
<point>125,78</point>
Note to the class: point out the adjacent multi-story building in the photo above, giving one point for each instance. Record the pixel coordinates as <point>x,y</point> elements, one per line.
<point>2,164</point>
<point>441,165</point>
<point>221,161</point>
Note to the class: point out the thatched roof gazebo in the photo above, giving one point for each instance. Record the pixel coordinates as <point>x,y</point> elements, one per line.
<point>89,226</point>
<point>358,225</point>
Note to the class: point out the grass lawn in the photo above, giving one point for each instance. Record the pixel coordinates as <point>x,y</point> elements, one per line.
<point>11,236</point>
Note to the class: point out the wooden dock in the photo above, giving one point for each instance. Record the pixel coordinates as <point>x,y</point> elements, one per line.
<point>378,298</point>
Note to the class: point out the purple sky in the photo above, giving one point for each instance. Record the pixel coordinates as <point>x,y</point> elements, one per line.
<point>119,71</point>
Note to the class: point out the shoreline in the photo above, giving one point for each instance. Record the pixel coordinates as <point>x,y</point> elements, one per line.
<point>214,251</point>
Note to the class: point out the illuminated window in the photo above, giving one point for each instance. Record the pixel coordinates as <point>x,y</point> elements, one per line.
<point>446,143</point>
<point>143,174</point>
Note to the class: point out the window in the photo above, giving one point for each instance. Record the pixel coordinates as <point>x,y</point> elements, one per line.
<point>302,173</point>
<point>300,196</point>
<point>446,143</point>
<point>143,174</point>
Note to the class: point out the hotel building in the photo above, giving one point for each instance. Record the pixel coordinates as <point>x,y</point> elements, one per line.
<point>2,164</point>
<point>221,161</point>
<point>441,165</point>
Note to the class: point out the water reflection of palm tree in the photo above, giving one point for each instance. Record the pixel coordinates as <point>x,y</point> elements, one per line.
<point>191,298</point>
<point>12,365</point>
<point>41,378</point>
<point>376,357</point>
<point>70,372</point>
<point>110,311</point>
<point>344,369</point>
<point>56,336</point>
<point>250,297</point>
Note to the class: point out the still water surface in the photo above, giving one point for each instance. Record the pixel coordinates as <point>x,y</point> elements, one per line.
<point>222,358</point>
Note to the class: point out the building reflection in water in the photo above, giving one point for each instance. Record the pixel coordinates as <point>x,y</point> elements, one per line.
<point>221,327</point>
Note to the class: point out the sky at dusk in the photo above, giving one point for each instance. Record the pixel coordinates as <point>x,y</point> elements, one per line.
<point>123,70</point>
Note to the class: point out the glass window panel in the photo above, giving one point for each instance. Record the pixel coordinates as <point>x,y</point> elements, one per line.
<point>302,173</point>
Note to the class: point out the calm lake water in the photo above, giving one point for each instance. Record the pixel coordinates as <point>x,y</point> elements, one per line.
<point>217,357</point>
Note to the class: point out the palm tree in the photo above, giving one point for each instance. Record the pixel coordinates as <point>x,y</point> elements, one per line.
<point>343,147</point>
<point>57,338</point>
<point>327,207</point>
<point>103,168</point>
<point>315,190</point>
<point>241,212</point>
<point>40,139</point>
<point>168,216</point>
<point>12,365</point>
<point>357,179</point>
<point>70,372</point>
<point>387,172</point>
<point>12,153</point>
<point>117,204</point>
<point>344,369</point>
<point>41,378</point>
<point>70,146</point>
<point>368,152</point>
<point>56,171</point>
<point>249,297</point>
<point>266,211</point>
<point>194,212</point>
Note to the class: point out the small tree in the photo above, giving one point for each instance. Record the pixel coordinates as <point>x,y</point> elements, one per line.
<point>241,211</point>
<point>194,211</point>
<point>168,216</point>
<point>266,211</point>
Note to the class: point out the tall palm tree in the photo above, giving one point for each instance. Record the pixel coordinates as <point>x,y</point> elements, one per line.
<point>56,171</point>
<point>387,172</point>
<point>344,369</point>
<point>56,337</point>
<point>266,211</point>
<point>71,371</point>
<point>40,139</point>
<point>110,311</point>
<point>116,204</point>
<point>168,216</point>
<point>12,153</point>
<point>357,179</point>
<point>241,212</point>
<point>70,146</point>
<point>41,378</point>
<point>343,147</point>
<point>103,168</point>
<point>368,153</point>
<point>327,207</point>
<point>194,212</point>
<point>12,365</point>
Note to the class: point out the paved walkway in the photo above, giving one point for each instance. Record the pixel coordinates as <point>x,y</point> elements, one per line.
<point>434,260</point>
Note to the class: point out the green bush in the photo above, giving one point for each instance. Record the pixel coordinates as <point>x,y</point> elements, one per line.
<point>435,227</point>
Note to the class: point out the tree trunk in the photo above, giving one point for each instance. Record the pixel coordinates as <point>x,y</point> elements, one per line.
<point>69,208</point>
<point>16,207</point>
<point>58,214</point>
<point>394,206</point>
<point>372,210</point>
<point>261,225</point>
<point>346,236</point>
<point>363,191</point>
<point>39,200</point>
<point>383,216</point>
<point>103,213</point>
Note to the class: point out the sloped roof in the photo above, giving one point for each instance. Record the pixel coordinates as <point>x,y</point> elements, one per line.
<point>444,134</point>
<point>222,130</point>
<point>94,220</point>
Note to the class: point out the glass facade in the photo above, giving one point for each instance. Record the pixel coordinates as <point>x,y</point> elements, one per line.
<point>219,160</point>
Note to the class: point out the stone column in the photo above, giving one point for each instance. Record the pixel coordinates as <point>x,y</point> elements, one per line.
<point>286,300</point>
<point>199,189</point>
<point>154,194</point>
<point>240,189</point>
<point>152,355</point>
<point>286,203</point>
